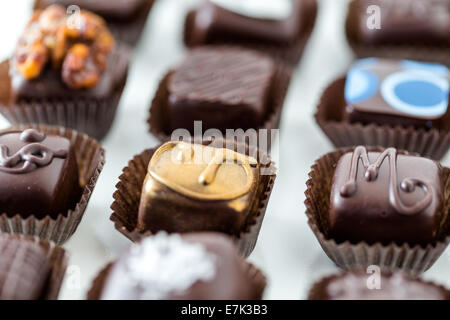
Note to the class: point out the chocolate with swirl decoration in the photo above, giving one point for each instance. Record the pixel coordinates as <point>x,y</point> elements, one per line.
<point>386,197</point>
<point>38,174</point>
<point>29,157</point>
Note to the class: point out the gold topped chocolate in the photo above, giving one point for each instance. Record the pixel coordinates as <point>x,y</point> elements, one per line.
<point>191,187</point>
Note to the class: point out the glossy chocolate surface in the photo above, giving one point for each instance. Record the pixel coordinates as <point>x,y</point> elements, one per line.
<point>386,197</point>
<point>355,286</point>
<point>410,22</point>
<point>225,88</point>
<point>190,267</point>
<point>108,9</point>
<point>39,174</point>
<point>214,23</point>
<point>49,84</point>
<point>24,269</point>
<point>190,187</point>
<point>397,92</point>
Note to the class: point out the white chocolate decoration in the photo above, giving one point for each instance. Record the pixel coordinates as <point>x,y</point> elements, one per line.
<point>162,265</point>
<point>258,9</point>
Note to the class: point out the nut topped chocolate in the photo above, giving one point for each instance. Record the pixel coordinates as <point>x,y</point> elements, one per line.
<point>59,57</point>
<point>192,187</point>
<point>386,197</point>
<point>24,270</point>
<point>173,267</point>
<point>398,92</point>
<point>225,88</point>
<point>39,174</point>
<point>410,22</point>
<point>360,286</point>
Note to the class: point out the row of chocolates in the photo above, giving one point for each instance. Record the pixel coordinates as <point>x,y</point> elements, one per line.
<point>157,193</point>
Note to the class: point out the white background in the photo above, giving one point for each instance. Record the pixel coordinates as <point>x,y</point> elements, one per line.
<point>287,250</point>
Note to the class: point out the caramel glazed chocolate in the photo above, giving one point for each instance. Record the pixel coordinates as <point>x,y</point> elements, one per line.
<point>391,197</point>
<point>78,49</point>
<point>186,182</point>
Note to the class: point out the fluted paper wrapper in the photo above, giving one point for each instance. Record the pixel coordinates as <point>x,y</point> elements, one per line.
<point>90,159</point>
<point>159,123</point>
<point>290,53</point>
<point>428,143</point>
<point>411,51</point>
<point>413,260</point>
<point>128,194</point>
<point>88,115</point>
<point>259,280</point>
<point>58,263</point>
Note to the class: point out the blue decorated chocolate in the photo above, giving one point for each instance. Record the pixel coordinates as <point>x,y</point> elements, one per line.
<point>397,92</point>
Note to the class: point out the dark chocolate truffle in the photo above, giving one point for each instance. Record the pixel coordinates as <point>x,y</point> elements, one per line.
<point>24,270</point>
<point>386,197</point>
<point>191,187</point>
<point>172,267</point>
<point>408,22</point>
<point>398,92</point>
<point>360,286</point>
<point>225,88</point>
<point>39,174</point>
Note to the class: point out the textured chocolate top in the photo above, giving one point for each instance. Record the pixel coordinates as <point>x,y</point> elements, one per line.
<point>24,270</point>
<point>229,76</point>
<point>386,197</point>
<point>413,22</point>
<point>360,286</point>
<point>191,267</point>
<point>39,174</point>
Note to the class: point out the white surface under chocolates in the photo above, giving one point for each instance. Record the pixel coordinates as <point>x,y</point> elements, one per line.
<point>287,250</point>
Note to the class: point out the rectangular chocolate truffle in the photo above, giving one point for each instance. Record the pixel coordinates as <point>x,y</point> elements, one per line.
<point>398,92</point>
<point>121,10</point>
<point>266,22</point>
<point>191,187</point>
<point>409,22</point>
<point>386,197</point>
<point>24,270</point>
<point>38,174</point>
<point>225,88</point>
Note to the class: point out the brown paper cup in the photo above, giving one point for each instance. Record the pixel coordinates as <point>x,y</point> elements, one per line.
<point>413,260</point>
<point>91,159</point>
<point>158,120</point>
<point>128,194</point>
<point>394,51</point>
<point>255,274</point>
<point>58,262</point>
<point>428,143</point>
<point>290,53</point>
<point>91,116</point>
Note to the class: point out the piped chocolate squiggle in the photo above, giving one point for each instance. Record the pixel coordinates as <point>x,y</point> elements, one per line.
<point>372,170</point>
<point>29,157</point>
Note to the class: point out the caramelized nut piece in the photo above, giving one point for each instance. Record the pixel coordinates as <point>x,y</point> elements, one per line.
<point>30,64</point>
<point>79,70</point>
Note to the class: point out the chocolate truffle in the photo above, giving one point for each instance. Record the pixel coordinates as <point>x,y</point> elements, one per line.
<point>24,269</point>
<point>397,92</point>
<point>172,267</point>
<point>191,187</point>
<point>407,22</point>
<point>225,88</point>
<point>56,60</point>
<point>360,286</point>
<point>39,174</point>
<point>386,197</point>
<point>279,27</point>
